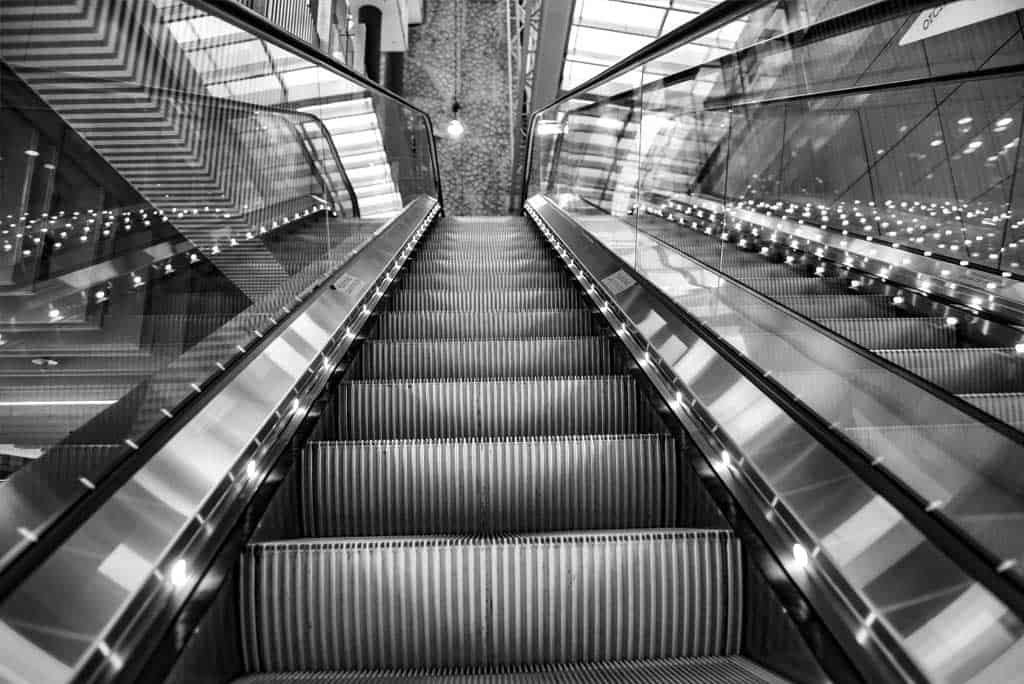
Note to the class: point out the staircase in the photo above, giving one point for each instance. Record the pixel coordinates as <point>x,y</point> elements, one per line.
<point>493,499</point>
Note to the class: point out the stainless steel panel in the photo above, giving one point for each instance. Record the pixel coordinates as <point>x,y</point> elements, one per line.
<point>138,547</point>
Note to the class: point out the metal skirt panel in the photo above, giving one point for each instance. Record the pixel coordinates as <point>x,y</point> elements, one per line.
<point>469,300</point>
<point>526,600</point>
<point>485,324</point>
<point>716,670</point>
<point>492,408</point>
<point>489,487</point>
<point>487,358</point>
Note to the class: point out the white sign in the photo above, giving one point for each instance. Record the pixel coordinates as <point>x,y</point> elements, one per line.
<point>955,15</point>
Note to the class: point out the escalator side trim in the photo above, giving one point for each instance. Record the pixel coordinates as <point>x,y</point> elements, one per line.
<point>963,551</point>
<point>193,499</point>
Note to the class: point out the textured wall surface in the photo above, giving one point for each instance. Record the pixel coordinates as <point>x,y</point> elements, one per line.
<point>475,170</point>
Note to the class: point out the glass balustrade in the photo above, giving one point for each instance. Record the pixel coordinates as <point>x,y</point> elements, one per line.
<point>172,184</point>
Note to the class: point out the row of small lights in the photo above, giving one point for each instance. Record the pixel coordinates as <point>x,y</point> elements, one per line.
<point>801,559</point>
<point>848,262</point>
<point>178,574</point>
<point>104,223</point>
<point>726,460</point>
<point>137,278</point>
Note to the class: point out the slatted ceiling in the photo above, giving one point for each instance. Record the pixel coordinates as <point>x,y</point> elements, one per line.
<point>525,600</point>
<point>205,160</point>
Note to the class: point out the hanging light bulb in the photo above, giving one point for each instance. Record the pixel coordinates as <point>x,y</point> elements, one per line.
<point>455,127</point>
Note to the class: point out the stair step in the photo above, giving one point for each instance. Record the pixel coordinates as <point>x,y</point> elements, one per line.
<point>895,333</point>
<point>468,300</point>
<point>485,324</point>
<point>795,285</point>
<point>964,371</point>
<point>481,280</point>
<point>413,409</point>
<point>1007,407</point>
<point>519,265</point>
<point>411,602</point>
<point>851,306</point>
<point>438,358</point>
<point>480,487</point>
<point>719,670</point>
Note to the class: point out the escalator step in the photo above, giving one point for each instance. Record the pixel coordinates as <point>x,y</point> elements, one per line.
<point>485,324</point>
<point>428,265</point>
<point>479,487</point>
<point>485,408</point>
<point>964,371</point>
<point>391,360</point>
<point>895,333</point>
<point>720,670</point>
<point>1008,407</point>
<point>852,306</point>
<point>796,285</point>
<point>481,280</point>
<point>462,252</point>
<point>468,300</point>
<point>411,602</point>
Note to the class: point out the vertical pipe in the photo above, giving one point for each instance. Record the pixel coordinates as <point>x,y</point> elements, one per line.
<point>509,18</point>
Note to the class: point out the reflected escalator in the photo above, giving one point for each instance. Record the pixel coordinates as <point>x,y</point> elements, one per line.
<point>989,377</point>
<point>491,497</point>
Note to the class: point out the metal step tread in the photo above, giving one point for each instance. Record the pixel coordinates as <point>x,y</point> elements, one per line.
<point>401,409</point>
<point>1007,407</point>
<point>488,486</point>
<point>486,358</point>
<point>980,370</point>
<point>710,670</point>
<point>485,324</point>
<point>409,602</point>
<point>463,300</point>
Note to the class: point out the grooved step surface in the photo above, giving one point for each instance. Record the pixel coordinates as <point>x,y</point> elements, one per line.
<point>468,300</point>
<point>472,487</point>
<point>487,408</point>
<point>895,333</point>
<point>1008,407</point>
<point>482,280</point>
<point>964,371</point>
<point>523,600</point>
<point>721,670</point>
<point>487,358</point>
<point>502,323</point>
<point>520,265</point>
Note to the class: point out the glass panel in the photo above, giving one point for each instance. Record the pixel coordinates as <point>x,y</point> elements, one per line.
<point>162,205</point>
<point>859,123</point>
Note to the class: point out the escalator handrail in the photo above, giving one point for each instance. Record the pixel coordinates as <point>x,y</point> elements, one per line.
<point>262,27</point>
<point>965,551</point>
<point>940,393</point>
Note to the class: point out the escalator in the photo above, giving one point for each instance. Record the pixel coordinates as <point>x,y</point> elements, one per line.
<point>491,496</point>
<point>313,439</point>
<point>935,347</point>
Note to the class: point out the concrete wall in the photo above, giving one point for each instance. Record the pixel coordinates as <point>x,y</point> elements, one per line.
<point>476,169</point>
